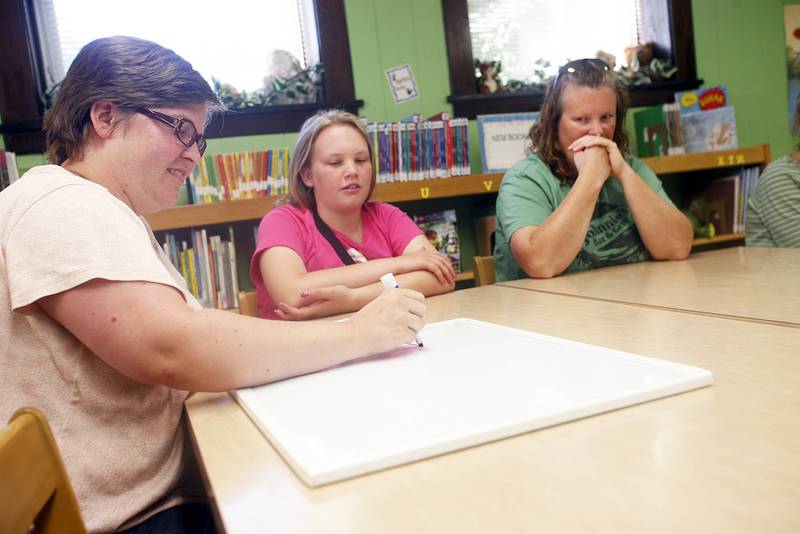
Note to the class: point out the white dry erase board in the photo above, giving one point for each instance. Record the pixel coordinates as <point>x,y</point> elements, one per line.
<point>504,139</point>
<point>472,382</point>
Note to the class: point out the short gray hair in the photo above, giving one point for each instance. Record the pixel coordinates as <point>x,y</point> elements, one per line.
<point>131,73</point>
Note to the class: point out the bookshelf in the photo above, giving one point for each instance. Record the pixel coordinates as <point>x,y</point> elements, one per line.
<point>710,161</point>
<point>183,217</point>
<point>255,208</point>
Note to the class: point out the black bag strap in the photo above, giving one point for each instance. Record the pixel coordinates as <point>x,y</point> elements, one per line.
<point>328,234</point>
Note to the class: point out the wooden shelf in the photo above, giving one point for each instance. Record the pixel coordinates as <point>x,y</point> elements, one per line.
<point>723,238</point>
<point>753,155</point>
<point>206,214</point>
<point>255,208</point>
<point>456,186</point>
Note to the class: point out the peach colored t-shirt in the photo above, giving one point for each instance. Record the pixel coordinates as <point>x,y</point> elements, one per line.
<point>122,441</point>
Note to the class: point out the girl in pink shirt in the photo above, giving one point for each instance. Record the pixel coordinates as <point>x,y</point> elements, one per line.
<point>324,250</point>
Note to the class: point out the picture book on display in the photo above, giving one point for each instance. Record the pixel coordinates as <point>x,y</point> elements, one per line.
<point>702,99</point>
<point>659,131</point>
<point>442,231</point>
<point>710,130</point>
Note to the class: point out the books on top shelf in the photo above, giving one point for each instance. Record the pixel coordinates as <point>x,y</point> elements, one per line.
<point>699,120</point>
<point>412,149</point>
<point>702,99</point>
<point>208,265</point>
<point>442,231</point>
<point>714,129</point>
<point>722,202</point>
<point>659,131</point>
<point>415,149</point>
<point>9,173</point>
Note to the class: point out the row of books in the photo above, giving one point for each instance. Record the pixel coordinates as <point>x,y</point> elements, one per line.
<point>208,264</point>
<point>403,151</point>
<point>722,202</point>
<point>9,173</point>
<point>224,177</point>
<point>698,121</point>
<point>420,150</point>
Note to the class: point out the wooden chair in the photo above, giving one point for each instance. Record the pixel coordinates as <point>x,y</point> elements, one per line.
<point>247,303</point>
<point>484,270</point>
<point>34,488</point>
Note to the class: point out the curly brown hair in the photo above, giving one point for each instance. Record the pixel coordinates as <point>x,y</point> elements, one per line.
<point>543,136</point>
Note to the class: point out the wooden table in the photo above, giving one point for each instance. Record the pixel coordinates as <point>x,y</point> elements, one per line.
<point>719,459</point>
<point>747,283</point>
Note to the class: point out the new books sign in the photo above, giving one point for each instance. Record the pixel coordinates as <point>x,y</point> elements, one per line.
<point>503,139</point>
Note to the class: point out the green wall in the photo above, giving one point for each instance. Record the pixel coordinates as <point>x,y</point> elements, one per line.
<point>741,43</point>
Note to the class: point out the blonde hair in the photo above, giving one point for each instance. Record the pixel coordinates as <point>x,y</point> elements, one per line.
<point>299,193</point>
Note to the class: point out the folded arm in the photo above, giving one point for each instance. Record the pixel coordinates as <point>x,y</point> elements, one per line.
<point>420,267</point>
<point>665,231</point>
<point>546,250</point>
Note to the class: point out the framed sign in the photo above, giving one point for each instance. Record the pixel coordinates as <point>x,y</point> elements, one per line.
<point>504,139</point>
<point>402,83</point>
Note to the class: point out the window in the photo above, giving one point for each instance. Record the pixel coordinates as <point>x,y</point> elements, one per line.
<point>522,32</point>
<point>217,46</point>
<point>519,33</point>
<point>235,55</point>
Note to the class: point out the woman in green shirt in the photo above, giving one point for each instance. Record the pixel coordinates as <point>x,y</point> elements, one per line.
<point>559,210</point>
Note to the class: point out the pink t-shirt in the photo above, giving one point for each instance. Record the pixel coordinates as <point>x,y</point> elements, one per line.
<point>387,231</point>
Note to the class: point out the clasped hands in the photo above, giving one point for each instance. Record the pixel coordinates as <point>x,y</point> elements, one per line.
<point>600,153</point>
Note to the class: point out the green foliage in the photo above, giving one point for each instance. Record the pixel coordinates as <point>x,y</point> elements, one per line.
<point>655,71</point>
<point>301,84</point>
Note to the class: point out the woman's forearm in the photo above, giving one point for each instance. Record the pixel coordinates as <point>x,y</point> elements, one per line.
<point>664,230</point>
<point>548,249</point>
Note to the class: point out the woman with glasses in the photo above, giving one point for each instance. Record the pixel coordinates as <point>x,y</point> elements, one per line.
<point>325,249</point>
<point>579,200</point>
<point>97,328</point>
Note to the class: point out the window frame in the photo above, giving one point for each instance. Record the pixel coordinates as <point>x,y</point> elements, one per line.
<point>22,83</point>
<point>667,23</point>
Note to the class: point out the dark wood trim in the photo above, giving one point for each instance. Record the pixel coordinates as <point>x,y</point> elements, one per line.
<point>683,38</point>
<point>272,119</point>
<point>334,50</point>
<point>459,47</point>
<point>482,104</point>
<point>667,23</point>
<point>21,84</point>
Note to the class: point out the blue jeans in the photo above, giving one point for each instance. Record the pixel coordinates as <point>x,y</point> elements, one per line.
<point>187,518</point>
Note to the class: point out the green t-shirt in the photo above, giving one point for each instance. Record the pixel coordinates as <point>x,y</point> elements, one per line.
<point>530,193</point>
<point>773,211</point>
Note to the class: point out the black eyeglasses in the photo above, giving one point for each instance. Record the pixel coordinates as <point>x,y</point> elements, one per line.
<point>184,129</point>
<point>573,67</point>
